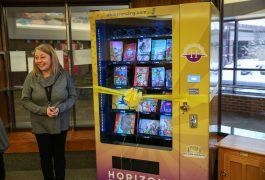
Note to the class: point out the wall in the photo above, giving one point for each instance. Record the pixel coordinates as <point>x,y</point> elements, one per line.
<point>3,75</point>
<point>150,3</point>
<point>244,104</point>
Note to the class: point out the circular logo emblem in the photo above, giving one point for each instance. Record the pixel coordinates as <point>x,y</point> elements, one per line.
<point>194,52</point>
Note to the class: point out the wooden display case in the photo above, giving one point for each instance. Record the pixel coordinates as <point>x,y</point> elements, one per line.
<point>241,158</point>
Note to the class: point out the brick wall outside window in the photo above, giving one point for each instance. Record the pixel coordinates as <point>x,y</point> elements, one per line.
<point>250,105</point>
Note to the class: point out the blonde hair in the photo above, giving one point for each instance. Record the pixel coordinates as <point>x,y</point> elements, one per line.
<point>55,64</point>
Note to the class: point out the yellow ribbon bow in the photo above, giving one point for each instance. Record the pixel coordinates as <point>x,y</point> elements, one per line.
<point>133,97</point>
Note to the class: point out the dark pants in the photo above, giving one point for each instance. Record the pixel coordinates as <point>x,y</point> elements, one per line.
<point>2,167</point>
<point>52,155</point>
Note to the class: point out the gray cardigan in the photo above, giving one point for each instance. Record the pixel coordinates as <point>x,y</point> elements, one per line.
<point>35,100</point>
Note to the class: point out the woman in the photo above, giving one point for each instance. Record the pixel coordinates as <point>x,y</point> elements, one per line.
<point>49,94</point>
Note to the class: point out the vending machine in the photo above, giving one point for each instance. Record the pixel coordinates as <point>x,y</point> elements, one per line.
<point>155,84</point>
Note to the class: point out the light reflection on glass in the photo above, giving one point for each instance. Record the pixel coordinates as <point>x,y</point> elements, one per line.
<point>249,133</point>
<point>226,129</point>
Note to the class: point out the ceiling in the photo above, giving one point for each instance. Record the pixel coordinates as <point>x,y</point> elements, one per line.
<point>246,8</point>
<point>54,2</point>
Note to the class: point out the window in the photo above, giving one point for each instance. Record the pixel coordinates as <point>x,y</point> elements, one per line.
<point>243,77</point>
<point>27,28</point>
<point>31,26</point>
<point>82,63</point>
<point>244,53</point>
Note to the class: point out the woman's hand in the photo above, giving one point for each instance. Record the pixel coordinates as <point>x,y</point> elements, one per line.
<point>52,111</point>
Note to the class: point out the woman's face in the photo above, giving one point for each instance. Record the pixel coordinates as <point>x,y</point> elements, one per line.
<point>43,61</point>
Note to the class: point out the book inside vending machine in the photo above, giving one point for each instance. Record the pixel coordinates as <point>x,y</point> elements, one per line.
<point>151,84</point>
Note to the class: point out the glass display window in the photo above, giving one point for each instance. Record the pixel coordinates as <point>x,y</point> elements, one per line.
<point>135,53</point>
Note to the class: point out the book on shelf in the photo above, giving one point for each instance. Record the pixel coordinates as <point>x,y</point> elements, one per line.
<point>165,126</point>
<point>166,106</point>
<point>169,78</point>
<point>124,123</point>
<point>148,105</point>
<point>120,76</point>
<point>169,50</point>
<point>158,77</point>
<point>116,50</point>
<point>141,76</point>
<point>158,52</point>
<point>118,102</point>
<point>144,49</point>
<point>129,53</point>
<point>148,126</point>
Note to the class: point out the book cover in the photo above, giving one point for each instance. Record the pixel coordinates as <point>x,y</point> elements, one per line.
<point>144,49</point>
<point>169,50</point>
<point>158,77</point>
<point>158,52</point>
<point>148,105</point>
<point>116,50</point>
<point>141,76</point>
<point>120,75</point>
<point>148,126</point>
<point>165,126</point>
<point>124,123</point>
<point>169,78</point>
<point>119,103</point>
<point>129,53</point>
<point>166,106</point>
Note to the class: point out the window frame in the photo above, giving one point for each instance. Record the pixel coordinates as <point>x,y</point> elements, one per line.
<point>234,86</point>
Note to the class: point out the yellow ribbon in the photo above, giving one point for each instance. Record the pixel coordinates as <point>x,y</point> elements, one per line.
<point>133,96</point>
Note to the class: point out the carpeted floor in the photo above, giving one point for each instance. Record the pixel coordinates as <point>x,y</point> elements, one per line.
<point>80,165</point>
<point>244,121</point>
<point>243,124</point>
